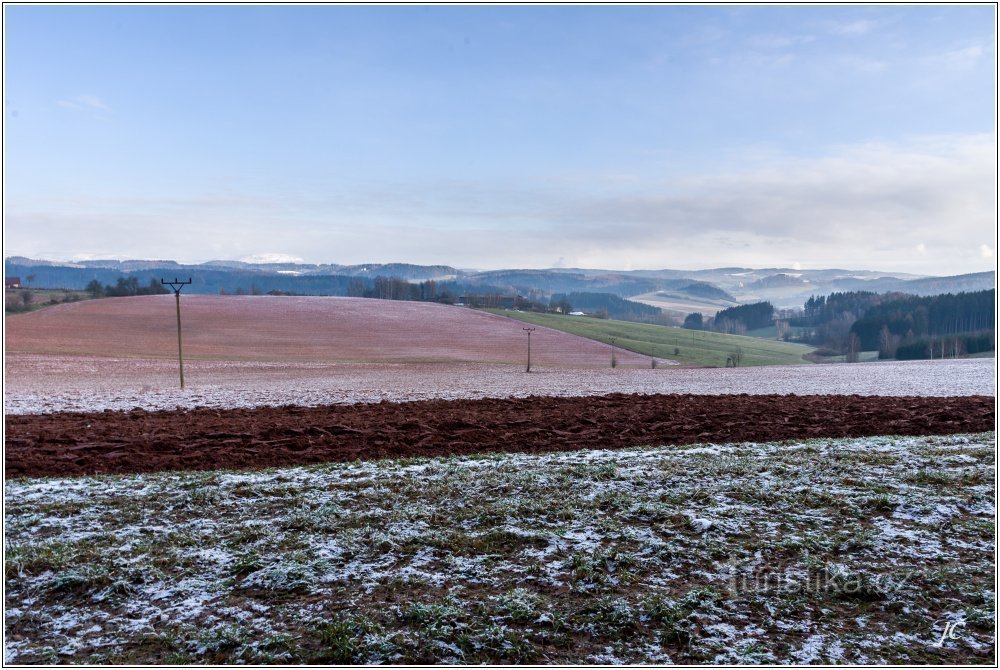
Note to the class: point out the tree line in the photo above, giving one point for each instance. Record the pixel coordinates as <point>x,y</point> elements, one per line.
<point>897,325</point>
<point>914,327</point>
<point>125,286</point>
<point>394,288</point>
<point>734,320</point>
<point>605,305</point>
<point>900,325</point>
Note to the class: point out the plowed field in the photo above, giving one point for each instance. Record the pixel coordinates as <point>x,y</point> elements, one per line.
<point>69,444</point>
<point>296,329</point>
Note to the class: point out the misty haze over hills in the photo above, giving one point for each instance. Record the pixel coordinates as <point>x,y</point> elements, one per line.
<point>715,287</point>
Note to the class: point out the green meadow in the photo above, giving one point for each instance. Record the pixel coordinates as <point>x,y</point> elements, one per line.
<point>691,347</point>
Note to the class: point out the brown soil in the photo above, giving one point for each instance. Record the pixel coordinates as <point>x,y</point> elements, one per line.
<point>70,444</point>
<point>296,329</point>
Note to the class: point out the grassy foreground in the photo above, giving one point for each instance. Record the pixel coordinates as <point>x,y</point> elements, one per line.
<point>694,347</point>
<point>841,551</point>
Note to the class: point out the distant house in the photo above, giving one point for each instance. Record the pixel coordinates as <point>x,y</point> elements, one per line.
<point>491,300</point>
<point>12,282</point>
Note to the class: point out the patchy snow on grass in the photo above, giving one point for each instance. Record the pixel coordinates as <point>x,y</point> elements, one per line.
<point>817,551</point>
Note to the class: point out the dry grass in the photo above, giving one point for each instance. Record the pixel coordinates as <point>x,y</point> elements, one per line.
<point>844,551</point>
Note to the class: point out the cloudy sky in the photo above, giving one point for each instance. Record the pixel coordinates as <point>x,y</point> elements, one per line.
<point>487,137</point>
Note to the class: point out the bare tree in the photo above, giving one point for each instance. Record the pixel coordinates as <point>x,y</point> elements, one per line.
<point>887,343</point>
<point>853,348</point>
<point>735,359</point>
<point>781,329</point>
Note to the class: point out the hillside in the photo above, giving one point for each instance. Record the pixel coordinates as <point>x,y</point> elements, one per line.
<point>694,347</point>
<point>296,329</point>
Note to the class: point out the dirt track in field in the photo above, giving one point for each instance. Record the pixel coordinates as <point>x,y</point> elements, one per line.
<point>70,444</point>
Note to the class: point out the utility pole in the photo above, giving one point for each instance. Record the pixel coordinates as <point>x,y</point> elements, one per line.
<point>177,285</point>
<point>529,331</point>
<point>614,361</point>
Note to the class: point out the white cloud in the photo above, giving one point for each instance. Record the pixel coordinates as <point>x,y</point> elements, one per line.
<point>985,252</point>
<point>862,206</point>
<point>964,58</point>
<point>93,102</point>
<point>852,28</point>
<point>779,41</point>
<point>864,65</point>
<point>922,249</point>
<point>85,103</point>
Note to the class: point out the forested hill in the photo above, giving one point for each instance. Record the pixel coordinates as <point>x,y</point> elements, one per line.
<point>923,316</point>
<point>898,325</point>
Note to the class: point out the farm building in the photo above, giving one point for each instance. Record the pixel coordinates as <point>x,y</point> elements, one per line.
<point>12,282</point>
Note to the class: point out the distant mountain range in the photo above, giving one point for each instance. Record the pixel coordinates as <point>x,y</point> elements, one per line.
<point>677,290</point>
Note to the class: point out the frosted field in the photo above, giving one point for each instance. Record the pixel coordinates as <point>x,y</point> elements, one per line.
<point>823,551</point>
<point>47,383</point>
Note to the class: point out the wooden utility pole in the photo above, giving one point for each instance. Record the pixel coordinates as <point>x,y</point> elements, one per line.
<point>177,285</point>
<point>529,331</point>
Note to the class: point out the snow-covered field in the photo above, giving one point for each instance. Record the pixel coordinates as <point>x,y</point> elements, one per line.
<point>49,383</point>
<point>870,550</point>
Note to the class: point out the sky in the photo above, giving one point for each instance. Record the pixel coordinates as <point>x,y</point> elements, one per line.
<point>643,137</point>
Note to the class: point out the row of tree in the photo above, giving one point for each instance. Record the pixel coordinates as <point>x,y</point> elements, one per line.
<point>937,315</point>
<point>125,286</point>
<point>742,318</point>
<point>823,309</point>
<point>734,320</point>
<point>897,325</point>
<point>900,325</point>
<point>395,288</point>
<point>605,305</point>
<point>941,347</point>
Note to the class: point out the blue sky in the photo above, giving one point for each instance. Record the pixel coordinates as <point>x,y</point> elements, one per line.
<point>617,137</point>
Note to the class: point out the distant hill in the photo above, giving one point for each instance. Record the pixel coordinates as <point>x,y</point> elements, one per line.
<point>925,286</point>
<point>780,280</point>
<point>621,284</point>
<point>687,290</point>
<point>705,290</point>
<point>399,270</point>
